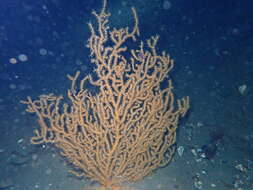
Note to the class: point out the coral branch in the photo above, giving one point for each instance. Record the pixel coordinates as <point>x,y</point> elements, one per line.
<point>128,128</point>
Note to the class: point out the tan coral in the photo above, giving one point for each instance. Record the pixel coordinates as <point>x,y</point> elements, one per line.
<point>127,129</point>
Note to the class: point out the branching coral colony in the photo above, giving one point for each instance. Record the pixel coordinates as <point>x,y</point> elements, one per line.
<point>128,128</point>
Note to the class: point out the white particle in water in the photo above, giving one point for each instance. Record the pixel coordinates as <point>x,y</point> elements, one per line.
<point>13,60</point>
<point>43,51</point>
<point>48,171</point>
<point>36,186</point>
<point>12,86</point>
<point>23,57</point>
<point>34,157</point>
<point>166,5</point>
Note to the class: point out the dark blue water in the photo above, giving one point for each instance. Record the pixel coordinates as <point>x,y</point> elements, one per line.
<point>212,44</point>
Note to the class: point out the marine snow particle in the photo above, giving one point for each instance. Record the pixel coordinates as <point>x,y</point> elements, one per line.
<point>12,86</point>
<point>13,60</point>
<point>23,57</point>
<point>43,51</point>
<point>166,5</point>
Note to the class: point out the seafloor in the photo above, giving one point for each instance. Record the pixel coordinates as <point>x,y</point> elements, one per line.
<point>212,43</point>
